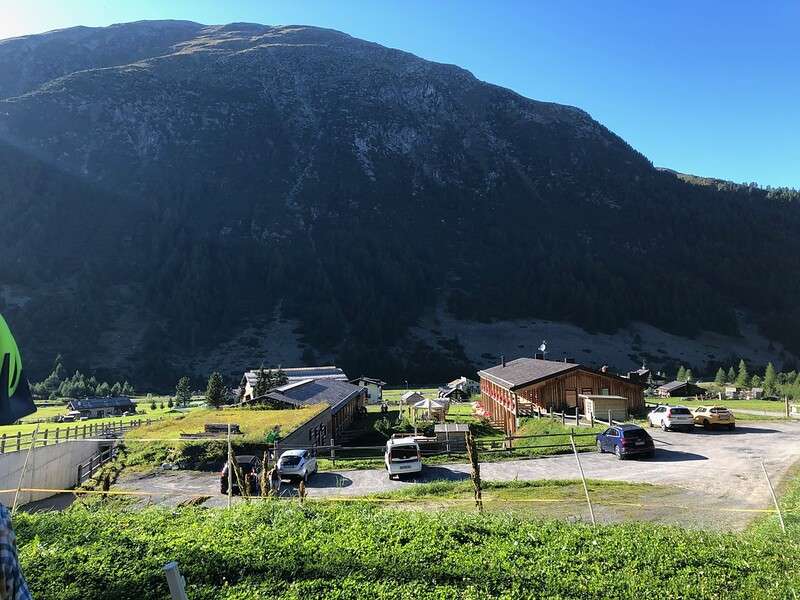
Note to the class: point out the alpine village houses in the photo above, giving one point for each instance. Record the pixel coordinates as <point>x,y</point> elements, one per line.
<point>514,389</point>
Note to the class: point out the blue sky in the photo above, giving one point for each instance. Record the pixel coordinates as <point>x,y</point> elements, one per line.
<point>711,88</point>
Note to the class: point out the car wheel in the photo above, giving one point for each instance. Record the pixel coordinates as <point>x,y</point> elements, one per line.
<point>663,426</point>
<point>305,477</point>
<point>599,447</point>
<point>706,424</point>
<point>651,454</point>
<point>618,453</point>
<point>731,427</point>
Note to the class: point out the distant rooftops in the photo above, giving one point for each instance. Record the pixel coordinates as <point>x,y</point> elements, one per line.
<point>295,374</point>
<point>94,403</point>
<point>333,392</point>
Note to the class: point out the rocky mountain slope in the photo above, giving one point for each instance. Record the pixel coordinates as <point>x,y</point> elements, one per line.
<point>167,186</point>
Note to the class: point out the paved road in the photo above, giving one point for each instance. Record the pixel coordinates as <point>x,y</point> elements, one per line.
<point>719,465</point>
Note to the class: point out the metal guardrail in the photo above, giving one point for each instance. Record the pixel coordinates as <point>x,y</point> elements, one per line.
<point>90,467</point>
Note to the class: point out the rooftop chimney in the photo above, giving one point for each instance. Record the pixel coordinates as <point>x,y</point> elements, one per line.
<point>502,360</point>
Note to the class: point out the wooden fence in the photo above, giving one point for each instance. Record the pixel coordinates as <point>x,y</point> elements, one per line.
<point>67,433</point>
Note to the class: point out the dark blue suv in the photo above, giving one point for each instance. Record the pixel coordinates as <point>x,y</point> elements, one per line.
<point>626,440</point>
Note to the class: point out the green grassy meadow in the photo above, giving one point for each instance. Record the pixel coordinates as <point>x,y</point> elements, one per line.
<point>284,550</point>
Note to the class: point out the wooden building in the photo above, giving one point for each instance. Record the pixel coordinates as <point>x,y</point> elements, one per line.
<point>515,389</point>
<point>679,389</point>
<point>345,400</point>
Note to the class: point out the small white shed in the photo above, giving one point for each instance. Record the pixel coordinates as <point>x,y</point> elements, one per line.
<point>598,406</point>
<point>411,398</point>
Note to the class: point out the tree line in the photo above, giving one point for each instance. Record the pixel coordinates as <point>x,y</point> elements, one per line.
<point>58,385</point>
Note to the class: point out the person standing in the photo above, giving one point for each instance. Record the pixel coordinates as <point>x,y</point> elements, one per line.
<point>12,582</point>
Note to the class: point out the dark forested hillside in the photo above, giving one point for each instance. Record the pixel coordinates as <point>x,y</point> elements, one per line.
<point>164,184</point>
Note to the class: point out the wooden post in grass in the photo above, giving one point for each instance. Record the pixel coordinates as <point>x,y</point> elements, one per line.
<point>583,477</point>
<point>774,498</point>
<point>563,417</point>
<point>786,405</point>
<point>472,454</point>
<point>333,452</point>
<point>610,421</point>
<point>230,469</point>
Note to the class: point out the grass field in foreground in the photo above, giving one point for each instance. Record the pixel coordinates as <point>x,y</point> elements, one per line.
<point>285,551</point>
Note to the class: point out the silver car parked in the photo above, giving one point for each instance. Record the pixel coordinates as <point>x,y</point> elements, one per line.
<point>297,464</point>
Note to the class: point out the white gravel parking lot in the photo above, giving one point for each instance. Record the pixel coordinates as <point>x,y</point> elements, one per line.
<point>715,468</point>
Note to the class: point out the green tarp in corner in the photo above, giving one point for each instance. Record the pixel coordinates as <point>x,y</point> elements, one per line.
<point>15,395</point>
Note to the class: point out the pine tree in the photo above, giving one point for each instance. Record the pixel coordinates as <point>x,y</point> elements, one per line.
<point>263,383</point>
<point>183,391</point>
<point>688,376</point>
<point>281,378</point>
<point>770,379</point>
<point>720,378</point>
<point>742,376</point>
<point>731,376</point>
<point>755,381</point>
<point>116,389</point>
<point>215,390</point>
<point>681,376</point>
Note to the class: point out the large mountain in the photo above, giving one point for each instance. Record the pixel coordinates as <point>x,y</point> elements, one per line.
<point>171,189</point>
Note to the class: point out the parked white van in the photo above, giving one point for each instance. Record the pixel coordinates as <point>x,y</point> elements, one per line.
<point>402,456</point>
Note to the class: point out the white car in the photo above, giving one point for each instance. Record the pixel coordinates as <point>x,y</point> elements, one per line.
<point>671,417</point>
<point>297,464</point>
<point>402,456</point>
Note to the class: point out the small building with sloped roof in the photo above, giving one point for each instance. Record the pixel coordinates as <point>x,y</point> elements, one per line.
<point>98,408</point>
<point>344,399</point>
<point>679,389</point>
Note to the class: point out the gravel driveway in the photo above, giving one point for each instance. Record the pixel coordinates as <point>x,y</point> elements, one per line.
<point>717,467</point>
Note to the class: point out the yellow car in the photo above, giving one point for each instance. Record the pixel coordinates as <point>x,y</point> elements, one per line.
<point>711,416</point>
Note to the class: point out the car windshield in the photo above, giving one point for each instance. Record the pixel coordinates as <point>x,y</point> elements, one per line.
<point>679,411</point>
<point>634,433</point>
<point>246,467</point>
<point>290,461</point>
<point>404,452</point>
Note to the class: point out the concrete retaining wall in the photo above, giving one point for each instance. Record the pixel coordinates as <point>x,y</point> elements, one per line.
<point>50,467</point>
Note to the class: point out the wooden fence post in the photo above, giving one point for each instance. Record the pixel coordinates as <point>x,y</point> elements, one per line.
<point>3,444</point>
<point>56,435</point>
<point>80,476</point>
<point>583,477</point>
<point>18,441</point>
<point>563,417</point>
<point>774,498</point>
<point>45,437</point>
<point>475,468</point>
<point>333,452</point>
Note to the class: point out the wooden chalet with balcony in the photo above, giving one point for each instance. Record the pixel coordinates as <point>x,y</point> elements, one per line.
<point>516,388</point>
